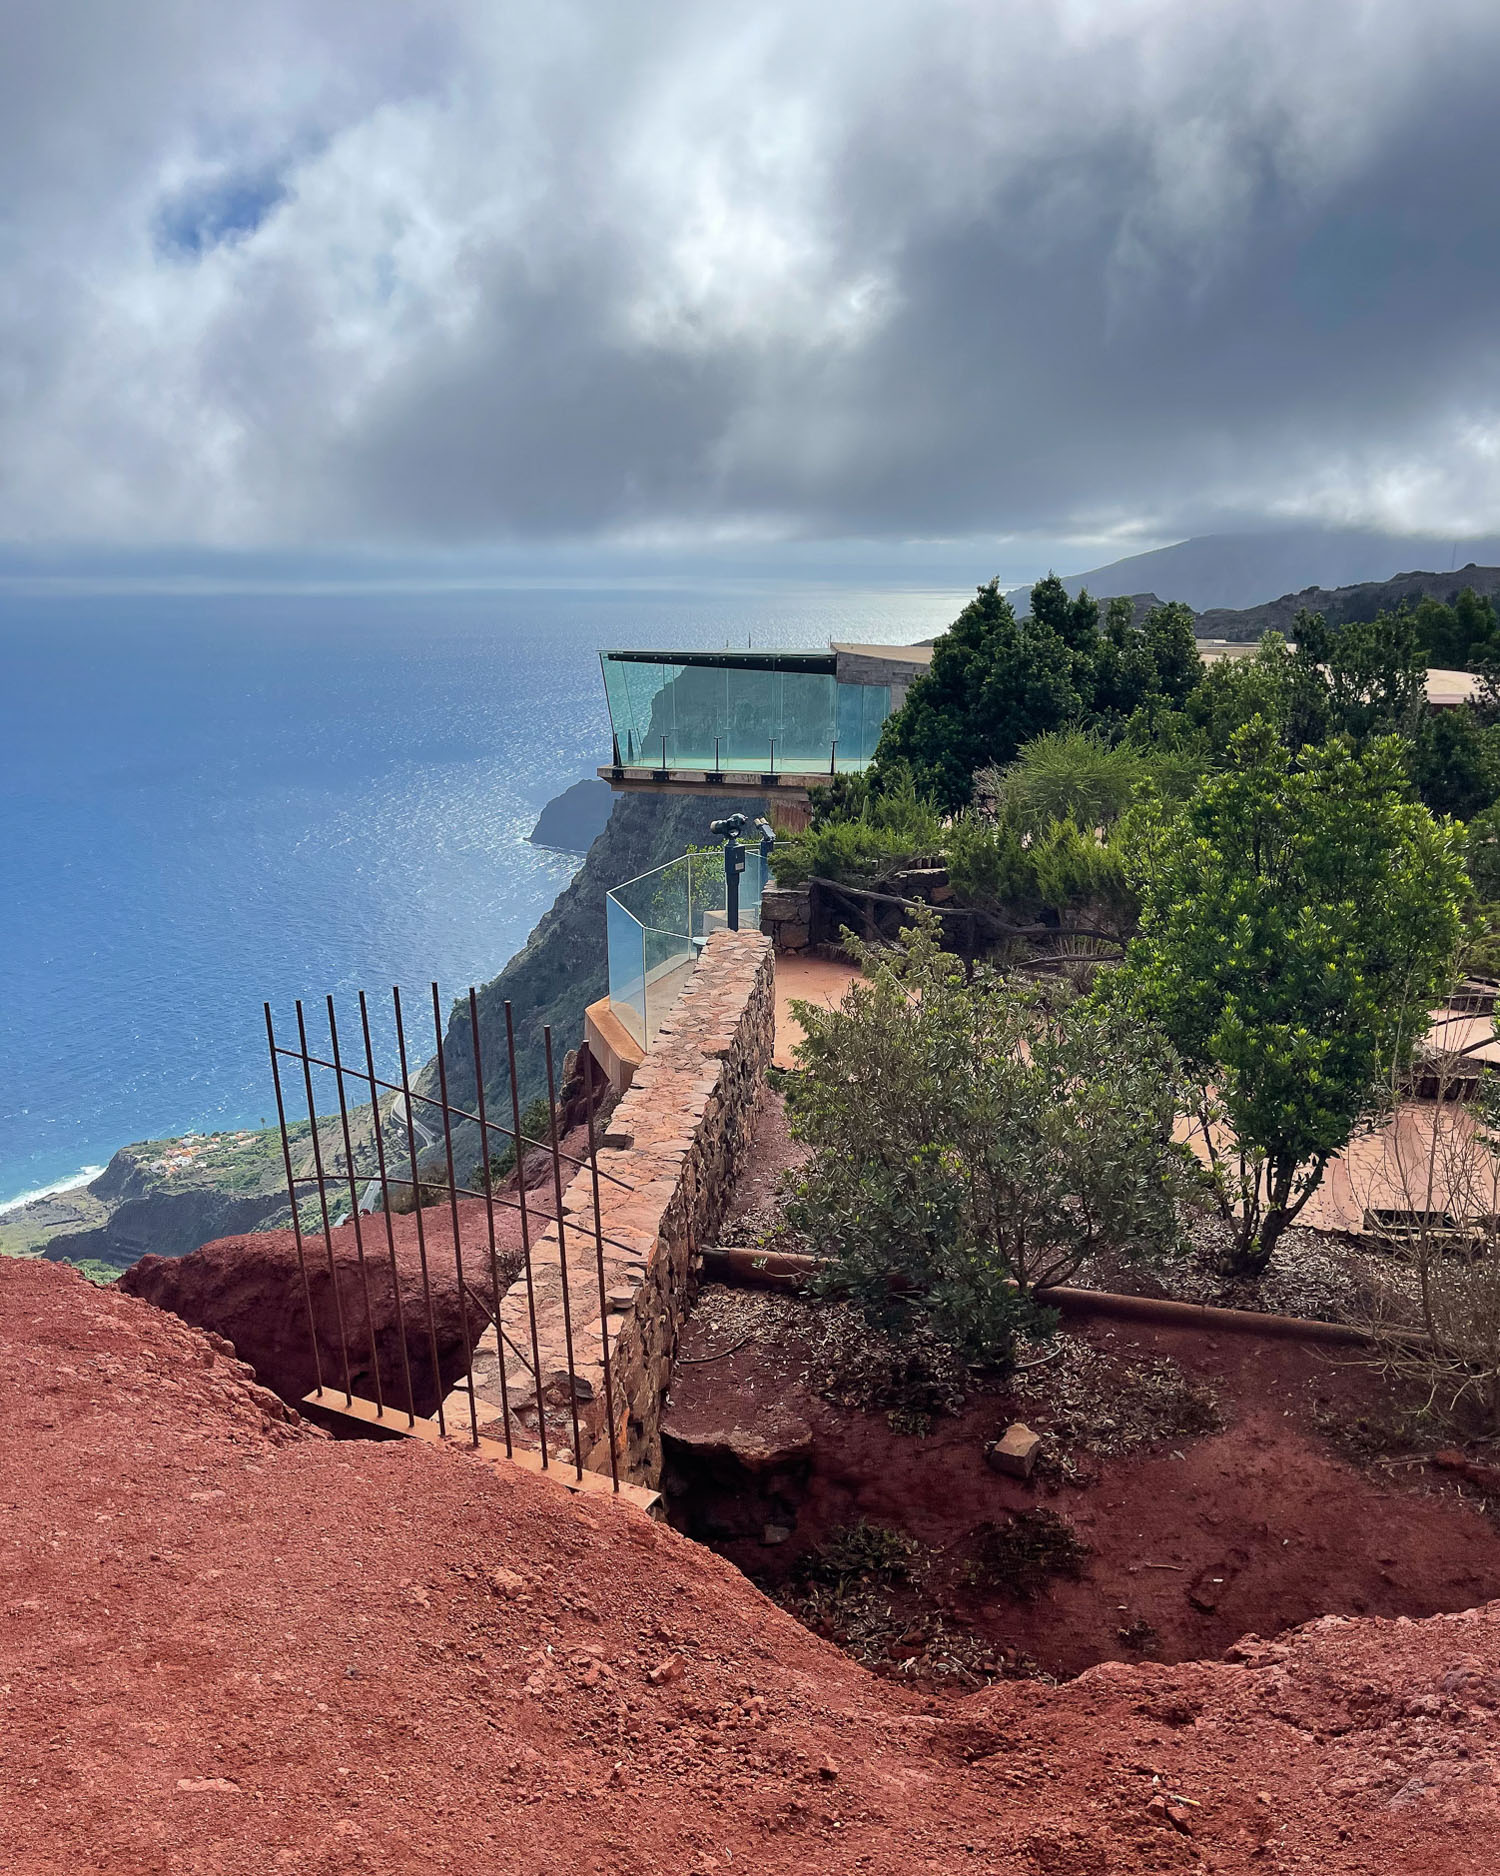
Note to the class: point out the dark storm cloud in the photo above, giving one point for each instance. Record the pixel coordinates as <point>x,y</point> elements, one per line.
<point>661,273</point>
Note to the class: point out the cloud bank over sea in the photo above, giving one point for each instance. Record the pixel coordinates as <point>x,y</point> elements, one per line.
<point>451,273</point>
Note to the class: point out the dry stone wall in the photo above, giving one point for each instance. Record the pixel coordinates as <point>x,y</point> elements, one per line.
<point>666,1166</point>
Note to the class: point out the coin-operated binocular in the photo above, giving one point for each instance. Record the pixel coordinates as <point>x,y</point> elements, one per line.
<point>730,830</point>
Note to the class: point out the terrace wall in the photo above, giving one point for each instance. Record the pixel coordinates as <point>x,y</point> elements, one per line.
<point>667,1163</point>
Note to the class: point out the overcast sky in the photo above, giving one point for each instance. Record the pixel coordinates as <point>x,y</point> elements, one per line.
<point>320,273</point>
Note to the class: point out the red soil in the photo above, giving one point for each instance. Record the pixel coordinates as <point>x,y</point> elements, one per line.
<point>249,1290</point>
<point>233,1647</point>
<point>1256,1529</point>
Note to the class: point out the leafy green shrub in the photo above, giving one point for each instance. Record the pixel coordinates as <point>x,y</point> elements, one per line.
<point>1077,873</point>
<point>536,1120</point>
<point>892,828</point>
<point>863,1549</point>
<point>990,864</point>
<point>1066,775</point>
<point>1062,868</point>
<point>431,1189</point>
<point>973,1141</point>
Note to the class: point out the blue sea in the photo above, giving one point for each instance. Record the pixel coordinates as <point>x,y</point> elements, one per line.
<point>210,800</point>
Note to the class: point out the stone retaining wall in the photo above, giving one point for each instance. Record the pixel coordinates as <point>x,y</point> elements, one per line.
<point>670,1156</point>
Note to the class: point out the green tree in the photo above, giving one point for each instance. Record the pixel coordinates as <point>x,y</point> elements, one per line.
<point>1133,669</point>
<point>974,1141</point>
<point>994,683</point>
<point>1455,762</point>
<point>1286,688</point>
<point>1297,918</point>
<point>1377,677</point>
<point>1457,637</point>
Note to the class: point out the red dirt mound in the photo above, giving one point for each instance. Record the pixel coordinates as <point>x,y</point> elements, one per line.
<point>249,1290</point>
<point>235,1646</point>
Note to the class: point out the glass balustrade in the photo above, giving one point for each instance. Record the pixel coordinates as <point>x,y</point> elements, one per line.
<point>656,924</point>
<point>741,712</point>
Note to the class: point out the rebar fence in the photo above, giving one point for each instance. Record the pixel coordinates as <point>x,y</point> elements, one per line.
<point>396,1205</point>
<point>657,923</point>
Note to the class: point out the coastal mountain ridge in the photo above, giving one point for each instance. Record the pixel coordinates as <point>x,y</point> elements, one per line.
<point>1234,572</point>
<point>1339,605</point>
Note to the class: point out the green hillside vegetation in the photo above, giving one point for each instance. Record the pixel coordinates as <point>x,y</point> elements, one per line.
<point>1289,849</point>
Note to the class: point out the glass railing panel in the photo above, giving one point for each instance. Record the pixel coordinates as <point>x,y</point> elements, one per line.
<point>750,718</point>
<point>862,711</point>
<point>626,949</point>
<point>809,722</point>
<point>740,717</point>
<point>658,923</point>
<point>670,956</point>
<point>877,708</point>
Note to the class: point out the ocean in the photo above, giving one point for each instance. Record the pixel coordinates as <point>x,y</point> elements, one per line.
<point>210,800</point>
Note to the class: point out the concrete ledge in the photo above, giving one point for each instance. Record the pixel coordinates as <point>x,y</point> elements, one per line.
<point>611,1044</point>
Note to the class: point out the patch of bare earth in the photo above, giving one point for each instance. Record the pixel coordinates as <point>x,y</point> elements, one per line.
<point>230,1644</point>
<point>1194,1472</point>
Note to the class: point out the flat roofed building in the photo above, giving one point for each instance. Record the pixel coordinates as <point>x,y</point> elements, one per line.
<point>749,722</point>
<point>759,722</point>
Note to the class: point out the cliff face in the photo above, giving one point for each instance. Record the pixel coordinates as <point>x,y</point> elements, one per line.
<point>563,968</point>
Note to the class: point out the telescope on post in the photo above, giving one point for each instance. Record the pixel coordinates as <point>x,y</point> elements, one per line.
<point>730,830</point>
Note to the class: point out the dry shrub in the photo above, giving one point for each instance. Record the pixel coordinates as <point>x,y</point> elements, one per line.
<point>1431,1196</point>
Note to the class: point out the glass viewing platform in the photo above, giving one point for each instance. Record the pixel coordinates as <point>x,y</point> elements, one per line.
<point>656,925</point>
<point>741,712</point>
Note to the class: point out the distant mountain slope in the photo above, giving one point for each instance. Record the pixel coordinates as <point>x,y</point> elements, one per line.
<point>1242,570</point>
<point>1343,604</point>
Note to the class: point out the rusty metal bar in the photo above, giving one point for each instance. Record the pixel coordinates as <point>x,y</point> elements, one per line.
<point>536,1353</point>
<point>489,1212</point>
<point>291,1186</point>
<point>312,1121</point>
<point>461,1113</point>
<point>609,1379</point>
<point>562,1253</point>
<point>458,1249</point>
<point>385,1203</point>
<point>359,1236</point>
<point>411,1147</point>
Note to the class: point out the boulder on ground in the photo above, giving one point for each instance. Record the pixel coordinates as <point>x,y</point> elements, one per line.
<point>1015,1452</point>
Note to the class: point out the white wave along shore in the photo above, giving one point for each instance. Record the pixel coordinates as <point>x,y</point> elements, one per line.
<point>70,1184</point>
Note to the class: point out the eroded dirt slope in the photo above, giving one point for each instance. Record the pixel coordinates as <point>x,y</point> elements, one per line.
<point>233,1645</point>
<point>1194,1537</point>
